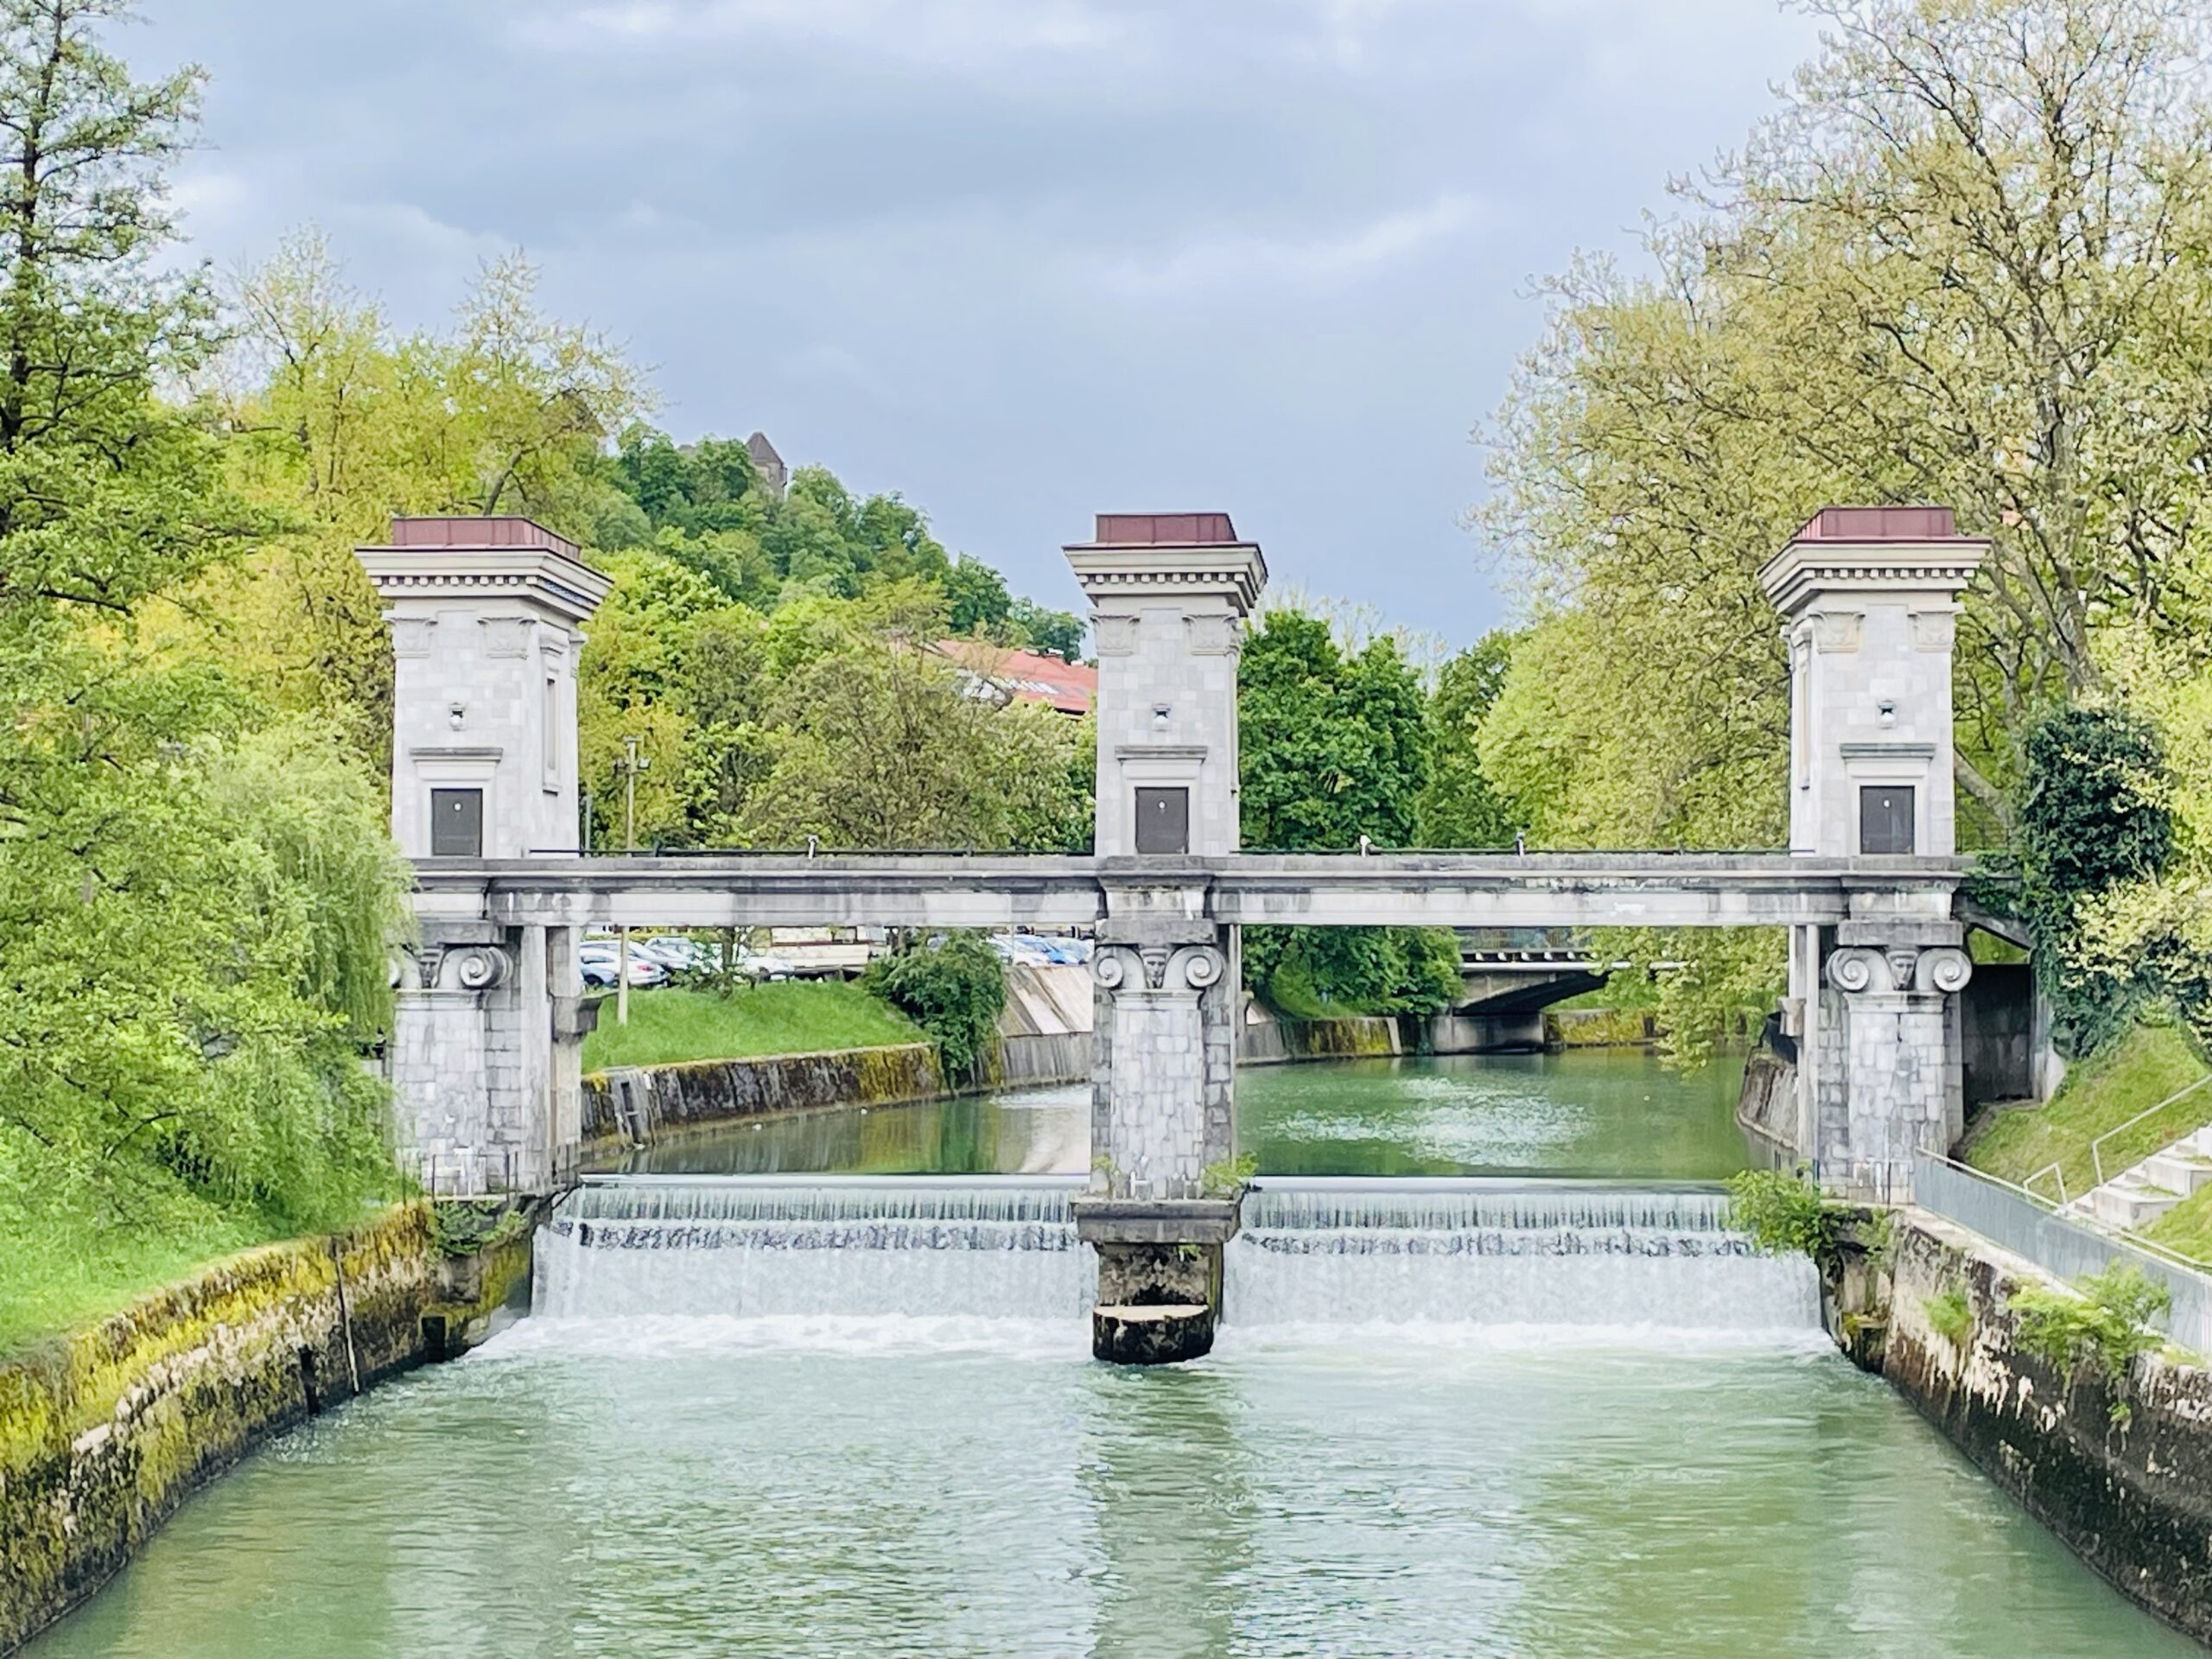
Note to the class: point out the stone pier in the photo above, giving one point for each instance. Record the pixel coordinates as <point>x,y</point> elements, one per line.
<point>1869,600</point>
<point>1169,593</point>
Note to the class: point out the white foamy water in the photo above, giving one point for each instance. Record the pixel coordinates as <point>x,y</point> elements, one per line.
<point>737,1248</point>
<point>812,1262</point>
<point>1520,1257</point>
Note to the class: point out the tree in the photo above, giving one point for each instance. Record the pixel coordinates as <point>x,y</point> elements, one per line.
<point>977,597</point>
<point>1965,265</point>
<point>1054,633</point>
<point>2093,818</point>
<point>1334,747</point>
<point>193,914</point>
<point>1460,807</point>
<point>1331,747</point>
<point>876,742</point>
<point>953,987</point>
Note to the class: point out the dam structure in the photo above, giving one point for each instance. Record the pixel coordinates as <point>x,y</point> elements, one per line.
<point>487,617</point>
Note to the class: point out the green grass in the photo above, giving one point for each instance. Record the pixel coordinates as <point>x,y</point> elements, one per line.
<point>2186,1228</point>
<point>789,1016</point>
<point>57,1272</point>
<point>2149,1063</point>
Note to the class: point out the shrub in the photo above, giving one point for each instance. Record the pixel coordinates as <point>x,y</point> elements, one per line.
<point>1783,1211</point>
<point>2093,817</point>
<point>1949,1315</point>
<point>2105,1322</point>
<point>953,988</point>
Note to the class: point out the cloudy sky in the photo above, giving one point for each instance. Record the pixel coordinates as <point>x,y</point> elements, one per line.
<point>1021,260</point>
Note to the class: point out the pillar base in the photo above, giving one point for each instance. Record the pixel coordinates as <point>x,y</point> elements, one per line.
<point>1163,1333</point>
<point>1159,1276</point>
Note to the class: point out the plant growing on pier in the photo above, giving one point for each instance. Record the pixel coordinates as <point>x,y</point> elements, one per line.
<point>2105,1323</point>
<point>1784,1212</point>
<point>1226,1178</point>
<point>1950,1315</point>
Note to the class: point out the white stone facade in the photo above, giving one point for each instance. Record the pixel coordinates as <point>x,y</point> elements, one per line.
<point>1163,1054</point>
<point>484,1057</point>
<point>483,615</point>
<point>1169,593</point>
<point>1869,600</point>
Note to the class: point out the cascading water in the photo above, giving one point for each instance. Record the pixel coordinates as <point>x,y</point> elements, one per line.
<point>744,1247</point>
<point>1506,1253</point>
<point>1311,1252</point>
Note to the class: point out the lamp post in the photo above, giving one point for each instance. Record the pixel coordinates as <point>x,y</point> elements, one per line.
<point>629,765</point>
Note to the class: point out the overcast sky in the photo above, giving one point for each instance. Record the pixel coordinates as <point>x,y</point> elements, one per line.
<point>1021,260</point>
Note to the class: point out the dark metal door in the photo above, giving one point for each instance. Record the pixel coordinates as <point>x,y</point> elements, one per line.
<point>1163,820</point>
<point>1885,818</point>
<point>456,824</point>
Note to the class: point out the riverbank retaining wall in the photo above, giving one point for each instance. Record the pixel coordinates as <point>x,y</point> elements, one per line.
<point>105,1433</point>
<point>637,1104</point>
<point>1269,1039</point>
<point>2119,1468</point>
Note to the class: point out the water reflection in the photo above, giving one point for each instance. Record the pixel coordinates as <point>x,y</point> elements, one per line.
<point>1589,1113</point>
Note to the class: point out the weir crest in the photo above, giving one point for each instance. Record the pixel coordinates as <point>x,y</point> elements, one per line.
<point>1497,1253</point>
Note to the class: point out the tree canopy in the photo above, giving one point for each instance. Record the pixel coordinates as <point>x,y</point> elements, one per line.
<point>1969,262</point>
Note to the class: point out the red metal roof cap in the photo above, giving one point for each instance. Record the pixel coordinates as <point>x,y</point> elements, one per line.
<point>1165,530</point>
<point>1880,524</point>
<point>459,530</point>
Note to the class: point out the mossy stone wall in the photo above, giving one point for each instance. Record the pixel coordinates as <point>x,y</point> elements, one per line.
<point>2121,1471</point>
<point>104,1433</point>
<point>672,1098</point>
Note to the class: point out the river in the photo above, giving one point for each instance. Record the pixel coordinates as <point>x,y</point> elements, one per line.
<point>1533,1422</point>
<point>1594,1112</point>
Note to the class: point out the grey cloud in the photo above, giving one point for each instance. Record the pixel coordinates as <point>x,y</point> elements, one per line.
<point>1020,259</point>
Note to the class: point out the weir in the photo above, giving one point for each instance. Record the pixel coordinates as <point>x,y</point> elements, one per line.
<point>1507,1253</point>
<point>491,1015</point>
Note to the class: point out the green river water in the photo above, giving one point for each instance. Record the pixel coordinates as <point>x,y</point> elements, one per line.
<point>635,1483</point>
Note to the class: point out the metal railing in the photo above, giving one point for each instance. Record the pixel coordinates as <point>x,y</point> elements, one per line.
<point>2096,1159</point>
<point>2028,1226</point>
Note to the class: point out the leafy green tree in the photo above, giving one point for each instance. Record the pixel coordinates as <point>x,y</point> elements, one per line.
<point>1461,807</point>
<point>874,742</point>
<point>2093,816</point>
<point>193,915</point>
<point>1967,263</point>
<point>977,597</point>
<point>1334,747</point>
<point>952,986</point>
<point>1053,633</point>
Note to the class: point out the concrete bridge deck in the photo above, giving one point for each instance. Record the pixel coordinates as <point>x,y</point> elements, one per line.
<point>1400,889</point>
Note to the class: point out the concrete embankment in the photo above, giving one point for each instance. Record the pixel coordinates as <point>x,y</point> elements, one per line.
<point>105,1432</point>
<point>637,1104</point>
<point>2119,1468</point>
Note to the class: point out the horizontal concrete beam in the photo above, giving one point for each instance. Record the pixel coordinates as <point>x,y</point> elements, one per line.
<point>1408,889</point>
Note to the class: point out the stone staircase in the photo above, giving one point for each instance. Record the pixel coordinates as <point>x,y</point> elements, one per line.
<point>2137,1196</point>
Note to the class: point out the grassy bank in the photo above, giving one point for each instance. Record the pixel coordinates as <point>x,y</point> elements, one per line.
<point>784,1017</point>
<point>61,1272</point>
<point>2148,1065</point>
<point>2187,1228</point>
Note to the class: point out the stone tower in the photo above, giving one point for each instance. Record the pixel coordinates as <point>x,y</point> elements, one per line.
<point>485,616</point>
<point>1869,599</point>
<point>1169,593</point>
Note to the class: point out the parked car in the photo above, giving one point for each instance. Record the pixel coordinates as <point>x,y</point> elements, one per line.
<point>600,963</point>
<point>679,954</point>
